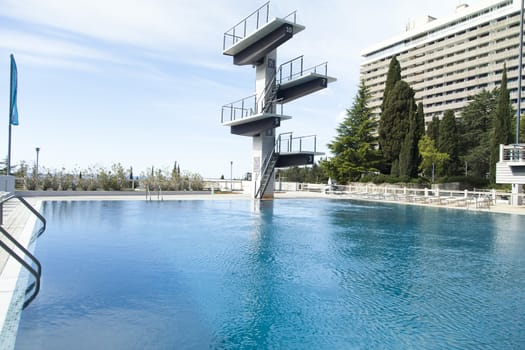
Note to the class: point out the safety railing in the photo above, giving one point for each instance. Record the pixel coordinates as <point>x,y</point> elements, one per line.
<point>33,288</point>
<point>239,109</point>
<point>150,193</point>
<point>294,69</point>
<point>28,206</point>
<point>513,153</point>
<point>251,23</point>
<point>37,273</point>
<point>286,143</point>
<point>244,108</point>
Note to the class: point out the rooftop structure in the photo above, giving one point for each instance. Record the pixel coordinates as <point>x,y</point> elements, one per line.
<point>447,60</point>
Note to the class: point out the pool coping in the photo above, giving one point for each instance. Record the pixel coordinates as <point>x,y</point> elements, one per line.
<point>13,283</point>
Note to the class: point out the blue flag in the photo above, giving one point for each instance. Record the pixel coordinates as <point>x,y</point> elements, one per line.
<point>13,109</point>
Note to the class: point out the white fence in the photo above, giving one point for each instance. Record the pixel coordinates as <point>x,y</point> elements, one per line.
<point>466,198</point>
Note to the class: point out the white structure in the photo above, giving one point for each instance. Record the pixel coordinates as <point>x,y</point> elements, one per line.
<point>447,60</point>
<point>254,41</point>
<point>511,169</point>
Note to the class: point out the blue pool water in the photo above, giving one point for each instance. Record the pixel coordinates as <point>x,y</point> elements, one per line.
<point>298,274</point>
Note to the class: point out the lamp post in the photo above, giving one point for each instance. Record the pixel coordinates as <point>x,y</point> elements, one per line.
<point>231,175</point>
<point>37,153</point>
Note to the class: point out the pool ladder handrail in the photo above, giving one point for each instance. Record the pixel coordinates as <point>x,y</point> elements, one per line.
<point>37,273</point>
<point>149,196</point>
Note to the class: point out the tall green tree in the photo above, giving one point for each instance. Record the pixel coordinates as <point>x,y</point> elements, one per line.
<point>448,143</point>
<point>386,121</point>
<point>420,120</point>
<point>502,124</point>
<point>392,76</point>
<point>433,128</point>
<point>409,153</point>
<point>395,123</point>
<point>475,128</point>
<point>355,146</point>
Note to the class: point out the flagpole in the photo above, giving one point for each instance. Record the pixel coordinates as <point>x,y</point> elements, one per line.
<point>9,119</point>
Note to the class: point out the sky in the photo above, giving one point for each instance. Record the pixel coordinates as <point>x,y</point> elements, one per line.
<point>142,82</point>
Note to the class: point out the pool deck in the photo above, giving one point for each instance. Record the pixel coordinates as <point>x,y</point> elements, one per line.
<point>21,224</point>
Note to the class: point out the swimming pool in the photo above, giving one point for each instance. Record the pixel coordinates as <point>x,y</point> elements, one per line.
<point>317,274</point>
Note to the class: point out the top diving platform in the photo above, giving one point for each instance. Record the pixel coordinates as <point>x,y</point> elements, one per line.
<point>255,36</point>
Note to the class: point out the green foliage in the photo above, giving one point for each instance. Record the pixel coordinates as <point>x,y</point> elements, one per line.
<point>409,154</point>
<point>522,129</point>
<point>305,174</point>
<point>354,147</point>
<point>468,182</point>
<point>431,158</point>
<point>448,143</point>
<point>475,128</point>
<point>502,124</point>
<point>175,181</point>
<point>392,77</point>
<point>420,121</point>
<point>395,123</point>
<point>114,179</point>
<point>433,128</point>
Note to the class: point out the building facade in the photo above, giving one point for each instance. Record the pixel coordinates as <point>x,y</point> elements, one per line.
<point>448,60</point>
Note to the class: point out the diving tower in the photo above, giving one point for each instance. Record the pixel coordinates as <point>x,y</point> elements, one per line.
<point>254,41</point>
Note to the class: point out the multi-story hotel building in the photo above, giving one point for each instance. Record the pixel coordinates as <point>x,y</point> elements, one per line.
<point>448,60</point>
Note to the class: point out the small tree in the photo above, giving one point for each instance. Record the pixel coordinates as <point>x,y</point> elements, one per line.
<point>431,158</point>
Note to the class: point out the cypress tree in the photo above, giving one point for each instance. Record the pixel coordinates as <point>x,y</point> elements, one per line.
<point>386,121</point>
<point>399,104</point>
<point>433,129</point>
<point>420,121</point>
<point>409,153</point>
<point>448,143</point>
<point>392,77</point>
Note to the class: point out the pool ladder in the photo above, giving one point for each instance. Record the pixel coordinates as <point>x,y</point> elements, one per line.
<point>34,288</point>
<point>149,194</point>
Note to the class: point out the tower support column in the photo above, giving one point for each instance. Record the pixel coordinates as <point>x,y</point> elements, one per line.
<point>264,142</point>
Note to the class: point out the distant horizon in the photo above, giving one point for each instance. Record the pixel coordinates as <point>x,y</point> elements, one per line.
<point>148,89</point>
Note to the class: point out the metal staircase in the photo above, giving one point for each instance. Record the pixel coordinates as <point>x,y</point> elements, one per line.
<point>271,99</point>
<point>268,168</point>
